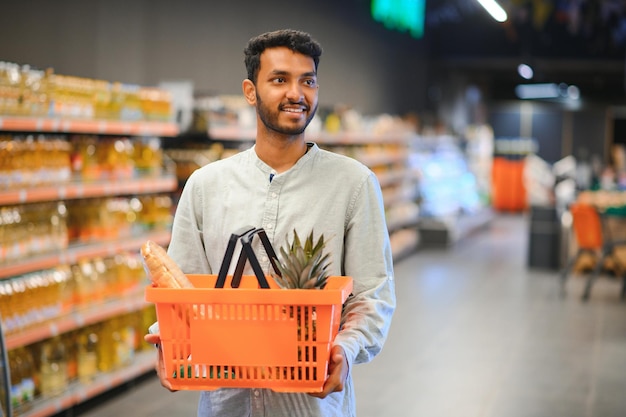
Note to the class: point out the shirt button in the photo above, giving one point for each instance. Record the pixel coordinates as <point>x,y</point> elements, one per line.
<point>269,226</point>
<point>256,393</point>
<point>274,195</point>
<point>264,259</point>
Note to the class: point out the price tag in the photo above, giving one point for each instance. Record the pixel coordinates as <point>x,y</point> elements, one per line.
<point>22,196</point>
<point>54,330</point>
<point>80,320</point>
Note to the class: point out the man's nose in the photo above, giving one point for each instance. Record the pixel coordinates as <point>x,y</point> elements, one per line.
<point>294,93</point>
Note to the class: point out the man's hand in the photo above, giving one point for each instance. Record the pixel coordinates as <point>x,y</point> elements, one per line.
<point>155,339</point>
<point>337,373</point>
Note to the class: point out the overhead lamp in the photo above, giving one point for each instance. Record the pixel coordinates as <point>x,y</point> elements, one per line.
<point>547,91</point>
<point>525,71</point>
<point>494,9</point>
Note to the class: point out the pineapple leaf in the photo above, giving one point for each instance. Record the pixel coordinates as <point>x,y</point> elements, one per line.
<point>296,240</point>
<point>319,245</point>
<point>308,245</point>
<point>303,266</point>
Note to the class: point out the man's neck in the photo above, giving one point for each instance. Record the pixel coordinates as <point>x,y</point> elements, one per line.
<point>279,151</point>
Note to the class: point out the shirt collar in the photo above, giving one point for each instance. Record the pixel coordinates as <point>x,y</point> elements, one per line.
<point>267,170</point>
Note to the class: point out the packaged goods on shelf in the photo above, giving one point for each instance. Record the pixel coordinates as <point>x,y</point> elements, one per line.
<point>53,368</point>
<point>22,383</point>
<point>28,160</point>
<point>31,229</point>
<point>80,191</point>
<point>27,91</point>
<point>31,160</point>
<point>32,299</point>
<point>96,158</point>
<point>117,217</point>
<point>65,367</point>
<point>224,115</point>
<point>10,88</point>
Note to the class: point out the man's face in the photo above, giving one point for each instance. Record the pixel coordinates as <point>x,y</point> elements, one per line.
<point>286,91</point>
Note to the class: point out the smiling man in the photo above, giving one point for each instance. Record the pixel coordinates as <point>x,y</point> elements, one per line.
<point>284,183</point>
<point>282,84</point>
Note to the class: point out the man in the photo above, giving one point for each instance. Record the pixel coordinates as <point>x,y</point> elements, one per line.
<point>284,183</point>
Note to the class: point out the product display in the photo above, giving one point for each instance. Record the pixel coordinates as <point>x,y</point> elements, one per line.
<point>26,91</point>
<point>452,201</point>
<point>82,187</point>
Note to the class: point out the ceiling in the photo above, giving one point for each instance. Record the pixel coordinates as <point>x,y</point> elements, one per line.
<point>580,42</point>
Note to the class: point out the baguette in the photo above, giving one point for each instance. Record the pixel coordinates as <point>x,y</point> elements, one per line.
<point>163,271</point>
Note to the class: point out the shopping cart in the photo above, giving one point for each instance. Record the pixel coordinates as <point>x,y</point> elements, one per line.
<point>593,236</point>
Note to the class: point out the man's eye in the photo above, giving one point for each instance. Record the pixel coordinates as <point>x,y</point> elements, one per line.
<point>279,80</point>
<point>310,82</point>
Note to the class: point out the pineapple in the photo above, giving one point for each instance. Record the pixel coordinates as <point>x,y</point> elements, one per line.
<point>305,266</point>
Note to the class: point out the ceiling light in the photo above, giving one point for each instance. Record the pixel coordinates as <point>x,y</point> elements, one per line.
<point>525,71</point>
<point>531,91</point>
<point>573,92</point>
<point>494,9</point>
<point>547,91</point>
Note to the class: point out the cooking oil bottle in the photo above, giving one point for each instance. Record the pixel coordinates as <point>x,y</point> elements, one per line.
<point>87,354</point>
<point>22,380</point>
<point>108,337</point>
<point>54,379</point>
<point>16,368</point>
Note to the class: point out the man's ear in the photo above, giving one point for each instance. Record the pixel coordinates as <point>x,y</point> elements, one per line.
<point>249,91</point>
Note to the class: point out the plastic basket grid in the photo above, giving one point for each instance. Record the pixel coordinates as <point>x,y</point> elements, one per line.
<point>248,337</point>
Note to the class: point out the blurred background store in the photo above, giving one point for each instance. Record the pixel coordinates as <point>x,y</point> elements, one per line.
<point>491,140</point>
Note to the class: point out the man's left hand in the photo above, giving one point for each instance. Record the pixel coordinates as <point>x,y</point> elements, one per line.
<point>337,373</point>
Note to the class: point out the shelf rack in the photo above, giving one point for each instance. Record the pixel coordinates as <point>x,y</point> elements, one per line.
<point>96,312</point>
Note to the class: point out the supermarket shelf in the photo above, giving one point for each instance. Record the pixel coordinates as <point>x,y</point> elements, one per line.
<point>79,251</point>
<point>363,138</point>
<point>77,392</point>
<point>94,313</point>
<point>403,243</point>
<point>380,159</point>
<point>410,220</point>
<point>76,190</point>
<point>389,178</point>
<point>234,133</point>
<point>446,231</point>
<point>101,127</point>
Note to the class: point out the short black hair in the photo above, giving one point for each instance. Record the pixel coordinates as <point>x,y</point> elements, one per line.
<point>295,40</point>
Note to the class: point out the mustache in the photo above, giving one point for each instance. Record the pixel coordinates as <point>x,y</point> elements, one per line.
<point>295,103</point>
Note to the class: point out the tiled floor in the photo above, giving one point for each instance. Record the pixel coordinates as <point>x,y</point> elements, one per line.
<point>476,334</point>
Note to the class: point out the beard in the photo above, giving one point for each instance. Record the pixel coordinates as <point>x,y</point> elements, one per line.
<point>270,119</point>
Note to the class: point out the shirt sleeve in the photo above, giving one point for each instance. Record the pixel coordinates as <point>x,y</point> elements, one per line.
<point>367,314</point>
<point>187,244</point>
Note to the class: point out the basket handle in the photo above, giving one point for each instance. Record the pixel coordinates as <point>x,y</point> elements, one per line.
<point>228,256</point>
<point>248,252</point>
<point>246,235</point>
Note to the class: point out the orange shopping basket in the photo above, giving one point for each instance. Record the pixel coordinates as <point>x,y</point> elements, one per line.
<point>251,335</point>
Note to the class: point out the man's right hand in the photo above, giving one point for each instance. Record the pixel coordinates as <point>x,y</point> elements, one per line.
<point>155,339</point>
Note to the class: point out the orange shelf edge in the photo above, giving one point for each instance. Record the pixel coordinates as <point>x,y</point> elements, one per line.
<point>75,320</point>
<point>88,189</point>
<point>73,253</point>
<point>111,127</point>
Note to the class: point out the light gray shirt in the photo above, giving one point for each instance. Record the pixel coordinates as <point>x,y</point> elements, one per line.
<point>324,192</point>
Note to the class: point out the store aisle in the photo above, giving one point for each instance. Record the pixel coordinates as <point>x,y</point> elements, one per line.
<point>476,334</point>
